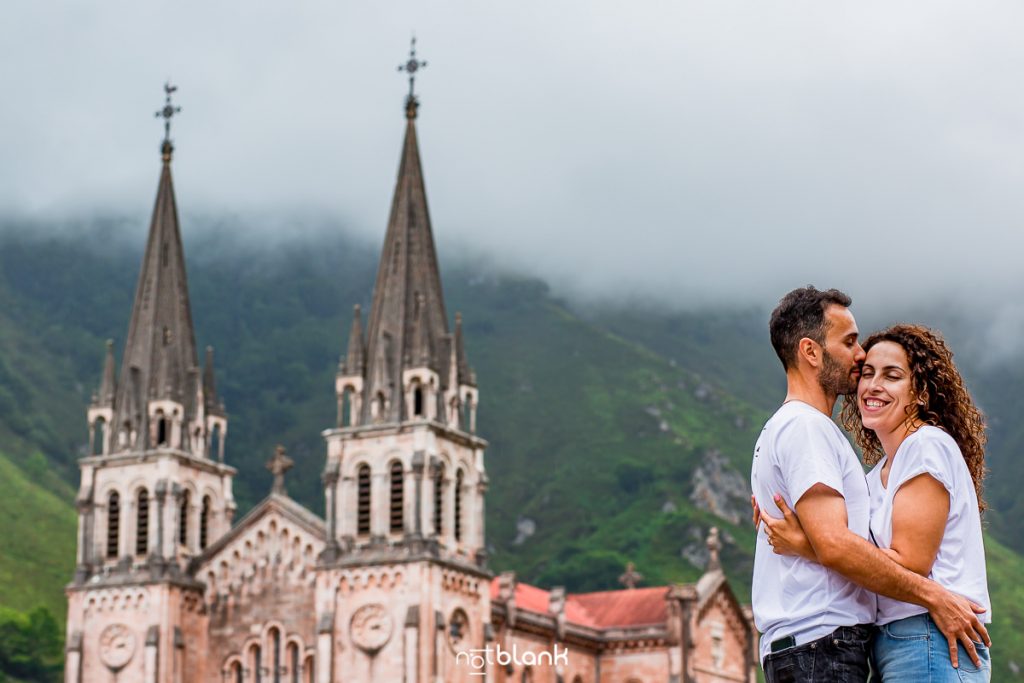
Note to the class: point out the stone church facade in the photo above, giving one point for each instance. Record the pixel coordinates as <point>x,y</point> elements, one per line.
<point>392,584</point>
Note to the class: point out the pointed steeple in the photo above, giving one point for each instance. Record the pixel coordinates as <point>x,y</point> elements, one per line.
<point>108,385</point>
<point>160,351</point>
<point>408,272</point>
<point>354,362</point>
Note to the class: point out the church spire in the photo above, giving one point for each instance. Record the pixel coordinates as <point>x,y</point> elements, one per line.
<point>160,351</point>
<point>408,273</point>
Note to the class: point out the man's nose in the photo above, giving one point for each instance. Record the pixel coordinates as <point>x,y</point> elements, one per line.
<point>859,354</point>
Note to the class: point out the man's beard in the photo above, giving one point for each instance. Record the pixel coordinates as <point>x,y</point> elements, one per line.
<point>835,380</point>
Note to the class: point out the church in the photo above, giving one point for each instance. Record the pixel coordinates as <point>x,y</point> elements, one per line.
<point>391,582</point>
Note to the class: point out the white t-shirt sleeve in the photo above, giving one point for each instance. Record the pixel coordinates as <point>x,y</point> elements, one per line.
<point>808,456</point>
<point>931,455</point>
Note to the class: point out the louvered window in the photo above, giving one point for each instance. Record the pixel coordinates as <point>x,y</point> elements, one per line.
<point>363,504</point>
<point>397,497</point>
<point>142,524</point>
<point>113,524</point>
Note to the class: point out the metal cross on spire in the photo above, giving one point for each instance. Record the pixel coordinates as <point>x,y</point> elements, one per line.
<point>411,66</point>
<point>168,111</point>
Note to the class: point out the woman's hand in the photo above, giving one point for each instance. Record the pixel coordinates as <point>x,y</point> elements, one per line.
<point>786,536</point>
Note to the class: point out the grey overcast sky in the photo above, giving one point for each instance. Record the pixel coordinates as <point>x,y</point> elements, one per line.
<point>722,150</point>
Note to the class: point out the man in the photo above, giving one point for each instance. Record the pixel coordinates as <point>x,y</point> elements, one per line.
<point>816,618</point>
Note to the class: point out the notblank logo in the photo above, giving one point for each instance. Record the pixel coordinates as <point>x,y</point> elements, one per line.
<point>478,659</point>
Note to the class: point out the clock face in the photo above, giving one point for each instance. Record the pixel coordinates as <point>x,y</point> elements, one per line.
<point>371,627</point>
<point>117,645</point>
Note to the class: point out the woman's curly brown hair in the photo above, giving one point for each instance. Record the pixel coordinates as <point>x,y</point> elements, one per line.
<point>941,398</point>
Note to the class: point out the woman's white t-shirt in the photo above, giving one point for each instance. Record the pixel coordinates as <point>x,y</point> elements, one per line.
<point>960,563</point>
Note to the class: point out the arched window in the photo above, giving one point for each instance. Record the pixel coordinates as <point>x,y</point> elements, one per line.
<point>293,663</point>
<point>275,657</point>
<point>527,676</point>
<point>99,436</point>
<point>236,673</point>
<point>183,518</point>
<point>113,524</point>
<point>397,498</point>
<point>363,504</point>
<point>458,505</point>
<point>161,430</point>
<point>142,523</point>
<point>417,401</point>
<point>204,523</point>
<point>256,663</point>
<point>577,679</point>
<point>439,501</point>
<point>308,668</point>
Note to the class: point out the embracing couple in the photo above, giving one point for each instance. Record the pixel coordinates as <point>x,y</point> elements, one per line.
<point>887,569</point>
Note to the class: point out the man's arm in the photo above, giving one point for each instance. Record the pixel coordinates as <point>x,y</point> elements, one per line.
<point>822,512</point>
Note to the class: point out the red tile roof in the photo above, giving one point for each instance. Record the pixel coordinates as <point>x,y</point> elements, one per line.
<point>603,609</point>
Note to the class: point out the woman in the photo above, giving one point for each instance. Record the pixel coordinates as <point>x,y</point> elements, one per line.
<point>916,423</point>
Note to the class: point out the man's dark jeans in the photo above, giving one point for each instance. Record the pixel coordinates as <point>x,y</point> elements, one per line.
<point>840,657</point>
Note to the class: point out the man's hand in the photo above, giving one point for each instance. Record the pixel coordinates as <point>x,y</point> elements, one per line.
<point>822,513</point>
<point>957,618</point>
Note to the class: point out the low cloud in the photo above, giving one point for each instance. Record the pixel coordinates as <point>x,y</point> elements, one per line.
<point>698,154</point>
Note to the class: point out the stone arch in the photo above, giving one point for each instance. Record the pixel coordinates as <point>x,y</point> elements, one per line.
<point>233,670</point>
<point>272,642</point>
<point>417,399</point>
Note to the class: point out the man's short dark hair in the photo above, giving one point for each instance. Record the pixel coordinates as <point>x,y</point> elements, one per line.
<point>801,313</point>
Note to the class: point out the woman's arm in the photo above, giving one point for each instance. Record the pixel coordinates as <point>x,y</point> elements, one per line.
<point>919,513</point>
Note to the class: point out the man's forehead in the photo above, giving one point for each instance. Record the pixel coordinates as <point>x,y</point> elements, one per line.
<point>841,321</point>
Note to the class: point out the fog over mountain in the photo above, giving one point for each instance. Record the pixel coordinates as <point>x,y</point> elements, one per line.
<point>697,154</point>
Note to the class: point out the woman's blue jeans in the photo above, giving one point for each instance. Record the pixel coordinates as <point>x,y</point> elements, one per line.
<point>914,650</point>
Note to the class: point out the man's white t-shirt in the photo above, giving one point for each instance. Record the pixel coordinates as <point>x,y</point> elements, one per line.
<point>960,563</point>
<point>798,448</point>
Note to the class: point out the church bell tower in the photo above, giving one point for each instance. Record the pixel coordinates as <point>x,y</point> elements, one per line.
<point>155,491</point>
<point>404,584</point>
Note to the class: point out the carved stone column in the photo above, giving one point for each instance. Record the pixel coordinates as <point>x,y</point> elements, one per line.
<point>151,662</point>
<point>330,479</point>
<point>411,644</point>
<point>418,467</point>
<point>73,659</point>
<point>159,551</point>
<point>324,648</point>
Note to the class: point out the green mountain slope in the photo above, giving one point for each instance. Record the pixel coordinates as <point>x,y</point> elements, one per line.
<point>614,436</point>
